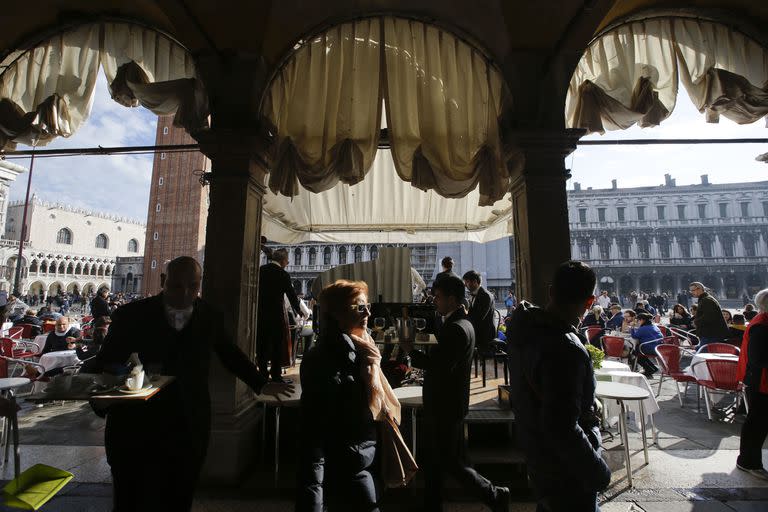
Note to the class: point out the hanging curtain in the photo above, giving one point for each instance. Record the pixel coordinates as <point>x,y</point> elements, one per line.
<point>47,92</point>
<point>630,75</point>
<point>325,109</point>
<point>443,104</point>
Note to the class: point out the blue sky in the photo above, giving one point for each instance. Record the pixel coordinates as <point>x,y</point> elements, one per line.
<point>120,184</point>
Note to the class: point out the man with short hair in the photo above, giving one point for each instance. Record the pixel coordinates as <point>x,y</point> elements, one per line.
<point>170,431</point>
<point>447,264</point>
<point>553,395</point>
<point>480,311</point>
<point>604,301</point>
<point>273,343</point>
<point>616,319</point>
<point>446,402</point>
<point>708,320</point>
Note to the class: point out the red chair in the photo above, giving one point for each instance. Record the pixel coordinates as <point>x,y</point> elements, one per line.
<point>86,319</point>
<point>719,348</point>
<point>592,331</point>
<point>28,330</point>
<point>686,338</point>
<point>48,326</point>
<point>18,349</point>
<point>722,378</point>
<point>613,346</point>
<point>669,360</point>
<point>15,332</point>
<point>664,330</point>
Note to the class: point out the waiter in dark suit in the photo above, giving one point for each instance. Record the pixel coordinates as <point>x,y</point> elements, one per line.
<point>480,311</point>
<point>446,402</point>
<point>157,448</point>
<point>273,336</point>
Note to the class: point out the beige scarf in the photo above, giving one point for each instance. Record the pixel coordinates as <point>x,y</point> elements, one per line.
<point>381,399</point>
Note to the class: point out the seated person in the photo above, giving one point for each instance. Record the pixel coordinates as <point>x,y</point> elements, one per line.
<point>681,318</point>
<point>47,313</point>
<point>749,312</point>
<point>736,330</point>
<point>629,320</point>
<point>30,317</point>
<point>92,346</point>
<point>61,338</point>
<point>727,316</point>
<point>594,319</point>
<point>616,320</point>
<point>646,332</point>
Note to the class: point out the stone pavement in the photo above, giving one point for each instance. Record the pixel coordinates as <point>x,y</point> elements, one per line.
<point>691,470</point>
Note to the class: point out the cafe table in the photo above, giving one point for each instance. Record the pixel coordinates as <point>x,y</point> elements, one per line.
<point>58,359</point>
<point>625,393</point>
<point>7,387</point>
<point>700,371</point>
<point>293,400</point>
<point>412,398</point>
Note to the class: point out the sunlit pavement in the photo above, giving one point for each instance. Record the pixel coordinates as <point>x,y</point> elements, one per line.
<point>691,469</point>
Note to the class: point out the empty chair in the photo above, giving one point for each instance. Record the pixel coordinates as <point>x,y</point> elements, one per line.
<point>722,378</point>
<point>613,346</point>
<point>669,357</point>
<point>719,348</point>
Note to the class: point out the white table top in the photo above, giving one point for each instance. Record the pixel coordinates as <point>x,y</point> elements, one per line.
<point>12,383</point>
<point>713,357</point>
<point>611,366</point>
<point>619,391</point>
<point>410,396</point>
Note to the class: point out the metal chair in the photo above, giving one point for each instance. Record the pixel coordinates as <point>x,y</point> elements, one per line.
<point>613,346</point>
<point>722,379</point>
<point>669,357</point>
<point>686,337</point>
<point>719,348</point>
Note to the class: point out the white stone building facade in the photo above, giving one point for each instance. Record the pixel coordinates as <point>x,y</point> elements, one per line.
<point>66,249</point>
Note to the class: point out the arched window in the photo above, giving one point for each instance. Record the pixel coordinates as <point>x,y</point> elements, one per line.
<point>78,269</point>
<point>102,242</point>
<point>101,270</point>
<point>643,247</point>
<point>52,268</point>
<point>70,269</point>
<point>327,256</point>
<point>93,270</point>
<point>133,245</point>
<point>374,252</point>
<point>64,236</point>
<point>62,268</point>
<point>706,246</point>
<point>33,267</point>
<point>342,255</point>
<point>297,256</point>
<point>107,270</point>
<point>312,256</point>
<point>358,254</point>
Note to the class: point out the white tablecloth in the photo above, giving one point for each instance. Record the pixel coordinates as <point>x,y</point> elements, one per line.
<point>700,372</point>
<point>612,408</point>
<point>611,365</point>
<point>58,359</point>
<point>6,326</point>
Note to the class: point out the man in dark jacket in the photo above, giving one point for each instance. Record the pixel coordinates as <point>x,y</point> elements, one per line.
<point>99,304</point>
<point>168,433</point>
<point>481,309</point>
<point>446,402</point>
<point>553,395</point>
<point>447,264</point>
<point>273,335</point>
<point>709,322</point>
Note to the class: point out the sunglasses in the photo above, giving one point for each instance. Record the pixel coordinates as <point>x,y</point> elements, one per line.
<point>360,308</point>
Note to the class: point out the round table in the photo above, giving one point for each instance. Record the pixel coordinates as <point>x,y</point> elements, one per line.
<point>6,387</point>
<point>58,359</point>
<point>621,393</point>
<point>411,397</point>
<point>293,400</point>
<point>612,365</point>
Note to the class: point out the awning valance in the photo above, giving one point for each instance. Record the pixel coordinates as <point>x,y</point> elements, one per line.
<point>443,100</point>
<point>47,91</point>
<point>630,74</point>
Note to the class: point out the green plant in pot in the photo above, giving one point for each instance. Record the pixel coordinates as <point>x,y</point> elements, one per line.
<point>596,355</point>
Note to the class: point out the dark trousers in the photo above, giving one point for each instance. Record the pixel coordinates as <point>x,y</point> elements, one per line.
<point>443,456</point>
<point>564,500</point>
<point>270,348</point>
<point>754,431</point>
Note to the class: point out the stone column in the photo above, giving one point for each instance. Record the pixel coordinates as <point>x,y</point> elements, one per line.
<point>231,281</point>
<point>541,206</point>
<point>739,250</point>
<point>614,253</point>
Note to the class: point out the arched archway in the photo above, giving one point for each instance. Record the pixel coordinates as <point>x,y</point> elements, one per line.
<point>89,288</point>
<point>37,288</point>
<point>55,288</point>
<point>73,288</point>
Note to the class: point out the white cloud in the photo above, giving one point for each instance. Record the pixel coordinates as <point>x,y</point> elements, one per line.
<point>114,184</point>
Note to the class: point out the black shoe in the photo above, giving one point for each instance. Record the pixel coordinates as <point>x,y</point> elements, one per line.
<point>501,501</point>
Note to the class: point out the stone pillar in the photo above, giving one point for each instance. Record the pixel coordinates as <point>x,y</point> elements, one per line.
<point>231,279</point>
<point>634,251</point>
<point>614,251</point>
<point>739,250</point>
<point>541,206</point>
<point>717,250</point>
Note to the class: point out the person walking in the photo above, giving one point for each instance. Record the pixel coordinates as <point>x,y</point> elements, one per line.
<point>446,403</point>
<point>553,395</point>
<point>753,372</point>
<point>708,320</point>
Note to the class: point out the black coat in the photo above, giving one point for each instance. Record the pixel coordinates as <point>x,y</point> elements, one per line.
<point>54,343</point>
<point>447,369</point>
<point>99,307</point>
<point>175,422</point>
<point>274,284</point>
<point>553,392</point>
<point>338,431</point>
<point>481,315</point>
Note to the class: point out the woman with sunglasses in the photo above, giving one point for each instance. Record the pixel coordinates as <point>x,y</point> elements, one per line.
<point>343,393</point>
